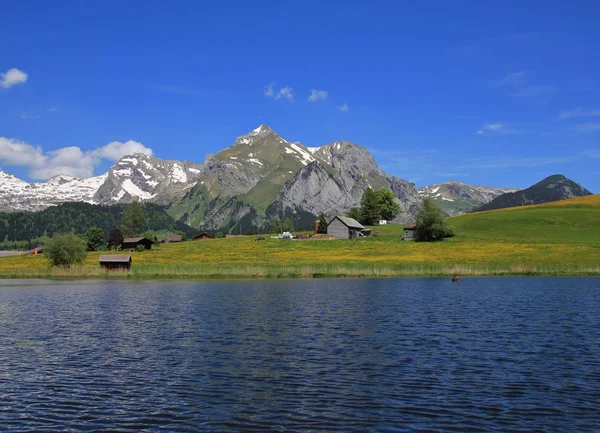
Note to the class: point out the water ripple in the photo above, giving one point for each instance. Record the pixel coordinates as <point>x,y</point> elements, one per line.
<point>513,354</point>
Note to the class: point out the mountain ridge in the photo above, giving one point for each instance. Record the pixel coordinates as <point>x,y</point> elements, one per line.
<point>260,177</point>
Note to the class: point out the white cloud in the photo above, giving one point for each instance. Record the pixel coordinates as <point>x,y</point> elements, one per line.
<point>506,129</point>
<point>53,109</point>
<point>578,112</point>
<point>12,77</point>
<point>28,116</point>
<point>270,89</point>
<point>284,92</point>
<point>587,128</point>
<point>317,95</point>
<point>287,93</point>
<point>344,107</point>
<point>519,85</point>
<point>69,160</point>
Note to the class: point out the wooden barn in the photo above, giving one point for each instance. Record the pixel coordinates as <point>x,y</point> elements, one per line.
<point>173,238</point>
<point>202,236</point>
<point>346,228</point>
<point>410,232</point>
<point>115,262</point>
<point>132,243</point>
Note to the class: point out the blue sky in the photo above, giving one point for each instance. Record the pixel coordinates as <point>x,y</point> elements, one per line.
<point>490,93</point>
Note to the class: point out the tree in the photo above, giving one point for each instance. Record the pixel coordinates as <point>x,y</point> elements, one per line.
<point>65,250</point>
<point>369,208</point>
<point>133,219</point>
<point>115,238</point>
<point>276,225</point>
<point>94,238</point>
<point>388,206</point>
<point>219,235</point>
<point>354,213</point>
<point>322,224</point>
<point>430,222</point>
<point>287,225</point>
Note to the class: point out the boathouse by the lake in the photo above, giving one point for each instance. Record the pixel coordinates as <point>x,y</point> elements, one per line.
<point>115,262</point>
<point>133,243</point>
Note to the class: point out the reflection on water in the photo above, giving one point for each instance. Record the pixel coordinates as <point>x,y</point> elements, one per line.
<point>315,355</point>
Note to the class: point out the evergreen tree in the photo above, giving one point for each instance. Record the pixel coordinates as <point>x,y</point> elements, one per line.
<point>354,213</point>
<point>287,225</point>
<point>276,226</point>
<point>369,208</point>
<point>430,222</point>
<point>389,207</point>
<point>133,220</point>
<point>322,224</point>
<point>94,238</point>
<point>115,238</point>
<point>65,250</point>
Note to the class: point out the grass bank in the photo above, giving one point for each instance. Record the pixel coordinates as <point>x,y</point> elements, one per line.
<point>540,240</point>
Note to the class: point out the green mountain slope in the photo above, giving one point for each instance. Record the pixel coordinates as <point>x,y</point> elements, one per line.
<point>553,188</point>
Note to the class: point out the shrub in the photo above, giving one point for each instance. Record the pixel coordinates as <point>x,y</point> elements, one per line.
<point>140,249</point>
<point>65,250</point>
<point>219,235</point>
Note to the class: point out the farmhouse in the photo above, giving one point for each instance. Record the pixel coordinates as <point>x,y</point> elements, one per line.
<point>202,236</point>
<point>173,238</point>
<point>132,243</point>
<point>346,228</point>
<point>115,262</point>
<point>410,232</point>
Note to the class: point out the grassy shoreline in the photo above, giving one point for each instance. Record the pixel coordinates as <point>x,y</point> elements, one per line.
<point>303,272</point>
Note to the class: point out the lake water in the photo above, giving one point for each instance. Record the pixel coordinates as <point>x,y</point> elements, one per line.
<point>486,354</point>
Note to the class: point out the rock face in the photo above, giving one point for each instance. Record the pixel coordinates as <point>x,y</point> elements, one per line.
<point>455,198</point>
<point>143,177</point>
<point>553,188</point>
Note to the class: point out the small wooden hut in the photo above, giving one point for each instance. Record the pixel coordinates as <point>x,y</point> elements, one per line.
<point>115,262</point>
<point>133,243</point>
<point>410,232</point>
<point>173,238</point>
<point>202,236</point>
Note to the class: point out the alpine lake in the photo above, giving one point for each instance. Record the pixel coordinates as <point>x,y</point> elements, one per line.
<point>412,354</point>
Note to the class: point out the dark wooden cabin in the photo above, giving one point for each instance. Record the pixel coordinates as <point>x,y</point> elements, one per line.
<point>132,243</point>
<point>410,232</point>
<point>173,238</point>
<point>115,262</point>
<point>203,235</point>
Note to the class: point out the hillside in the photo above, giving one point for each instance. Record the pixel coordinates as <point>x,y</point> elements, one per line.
<point>572,220</point>
<point>553,188</point>
<point>79,217</point>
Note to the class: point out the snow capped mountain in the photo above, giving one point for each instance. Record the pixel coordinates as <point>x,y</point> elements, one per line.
<point>143,177</point>
<point>456,197</point>
<point>17,195</point>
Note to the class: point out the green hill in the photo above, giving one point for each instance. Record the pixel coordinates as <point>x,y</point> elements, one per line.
<point>573,220</point>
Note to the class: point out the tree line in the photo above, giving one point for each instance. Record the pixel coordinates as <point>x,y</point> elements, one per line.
<point>21,230</point>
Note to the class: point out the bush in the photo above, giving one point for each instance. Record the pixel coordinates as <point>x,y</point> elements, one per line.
<point>140,249</point>
<point>65,250</point>
<point>219,235</point>
<point>430,223</point>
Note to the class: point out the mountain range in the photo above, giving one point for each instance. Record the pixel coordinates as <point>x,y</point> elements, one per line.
<point>553,188</point>
<point>260,177</point>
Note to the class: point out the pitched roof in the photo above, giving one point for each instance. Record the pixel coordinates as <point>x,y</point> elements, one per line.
<point>199,235</point>
<point>410,226</point>
<point>350,222</point>
<point>174,238</point>
<point>115,258</point>
<point>134,240</point>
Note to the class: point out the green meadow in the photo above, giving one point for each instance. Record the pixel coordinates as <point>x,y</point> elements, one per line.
<point>561,238</point>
